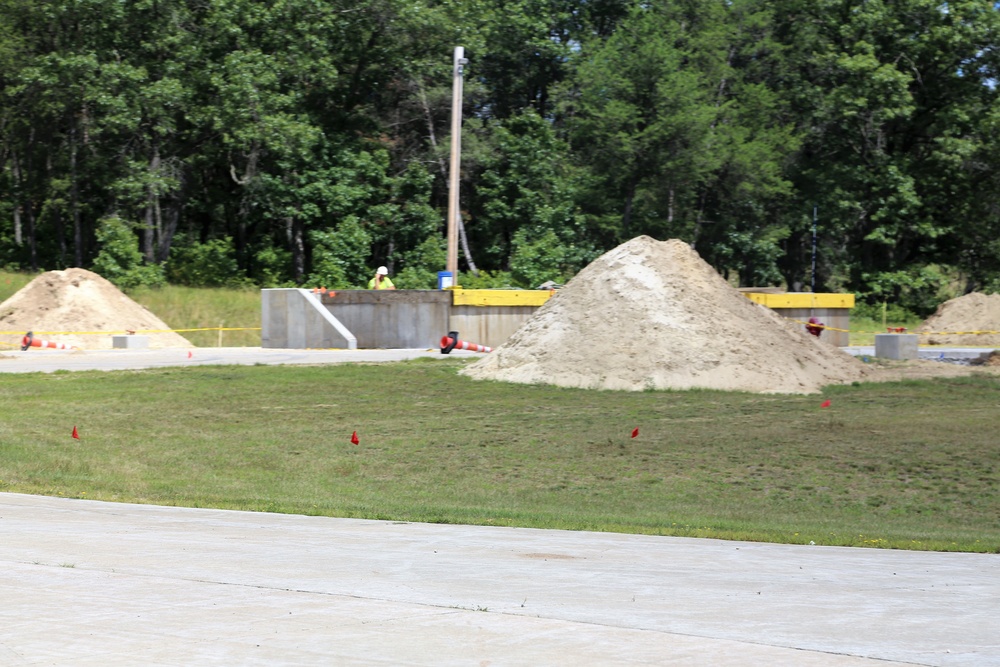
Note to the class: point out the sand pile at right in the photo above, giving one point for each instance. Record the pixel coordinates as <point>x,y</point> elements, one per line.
<point>973,312</point>
<point>653,315</point>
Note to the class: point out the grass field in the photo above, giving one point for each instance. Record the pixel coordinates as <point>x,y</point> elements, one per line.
<point>912,465</point>
<point>196,308</point>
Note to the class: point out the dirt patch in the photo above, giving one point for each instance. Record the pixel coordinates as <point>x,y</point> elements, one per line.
<point>882,370</point>
<point>76,307</point>
<point>956,320</point>
<point>653,315</point>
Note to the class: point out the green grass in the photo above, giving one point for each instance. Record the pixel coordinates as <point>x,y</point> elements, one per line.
<point>207,307</point>
<point>911,465</point>
<point>10,283</point>
<point>863,329</point>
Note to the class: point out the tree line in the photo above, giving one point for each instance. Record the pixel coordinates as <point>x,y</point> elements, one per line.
<point>304,142</point>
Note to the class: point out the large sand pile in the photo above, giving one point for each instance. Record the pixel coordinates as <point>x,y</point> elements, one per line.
<point>654,315</point>
<point>77,300</point>
<point>972,312</point>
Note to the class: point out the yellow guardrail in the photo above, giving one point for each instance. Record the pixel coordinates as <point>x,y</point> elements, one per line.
<point>802,299</point>
<point>499,297</point>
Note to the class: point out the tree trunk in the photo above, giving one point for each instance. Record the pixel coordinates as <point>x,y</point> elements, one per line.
<point>172,218</point>
<point>627,215</point>
<point>32,237</point>
<point>75,200</point>
<point>152,229</point>
<point>296,241</point>
<point>16,172</point>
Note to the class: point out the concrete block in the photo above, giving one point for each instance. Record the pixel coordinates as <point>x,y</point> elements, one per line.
<point>130,342</point>
<point>896,346</point>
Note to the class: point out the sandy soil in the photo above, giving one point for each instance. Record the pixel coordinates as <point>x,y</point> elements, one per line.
<point>654,315</point>
<point>973,312</point>
<point>77,306</point>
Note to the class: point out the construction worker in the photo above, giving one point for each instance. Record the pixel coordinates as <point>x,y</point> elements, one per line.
<point>381,279</point>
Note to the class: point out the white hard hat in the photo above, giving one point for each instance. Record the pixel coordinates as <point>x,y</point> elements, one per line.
<point>382,271</point>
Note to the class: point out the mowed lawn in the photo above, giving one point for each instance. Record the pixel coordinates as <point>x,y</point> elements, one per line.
<point>911,465</point>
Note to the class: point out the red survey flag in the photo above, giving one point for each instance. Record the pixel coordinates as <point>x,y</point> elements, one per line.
<point>189,354</point>
<point>75,433</point>
<point>825,404</point>
<point>354,438</point>
<point>635,432</point>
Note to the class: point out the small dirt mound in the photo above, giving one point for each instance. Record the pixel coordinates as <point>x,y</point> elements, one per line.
<point>74,301</point>
<point>964,315</point>
<point>654,315</point>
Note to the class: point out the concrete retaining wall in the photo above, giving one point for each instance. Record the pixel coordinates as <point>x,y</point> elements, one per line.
<point>392,319</point>
<point>838,318</point>
<point>414,319</point>
<point>380,319</point>
<point>832,309</point>
<point>295,319</point>
<point>488,325</point>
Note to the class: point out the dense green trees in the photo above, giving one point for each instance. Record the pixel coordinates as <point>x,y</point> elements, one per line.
<point>306,141</point>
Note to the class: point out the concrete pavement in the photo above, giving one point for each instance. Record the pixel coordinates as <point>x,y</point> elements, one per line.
<point>93,583</point>
<point>48,361</point>
<point>13,360</point>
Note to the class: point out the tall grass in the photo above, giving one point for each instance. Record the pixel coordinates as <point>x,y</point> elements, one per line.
<point>11,283</point>
<point>204,307</point>
<point>913,465</point>
<point>864,329</point>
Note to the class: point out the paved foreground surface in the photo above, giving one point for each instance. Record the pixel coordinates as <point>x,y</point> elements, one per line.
<point>13,360</point>
<point>94,583</point>
<point>49,361</point>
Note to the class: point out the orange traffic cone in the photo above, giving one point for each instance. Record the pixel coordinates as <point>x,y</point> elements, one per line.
<point>29,340</point>
<point>451,342</point>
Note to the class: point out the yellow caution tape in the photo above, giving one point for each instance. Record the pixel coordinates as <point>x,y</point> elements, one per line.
<point>127,331</point>
<point>918,333</point>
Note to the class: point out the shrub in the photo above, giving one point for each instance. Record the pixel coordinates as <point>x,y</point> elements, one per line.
<point>119,259</point>
<point>338,257</point>
<point>209,264</point>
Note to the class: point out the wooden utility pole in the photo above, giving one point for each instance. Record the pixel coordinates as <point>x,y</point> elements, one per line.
<point>456,155</point>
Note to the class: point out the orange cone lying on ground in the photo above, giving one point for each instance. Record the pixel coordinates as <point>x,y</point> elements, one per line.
<point>29,340</point>
<point>451,342</point>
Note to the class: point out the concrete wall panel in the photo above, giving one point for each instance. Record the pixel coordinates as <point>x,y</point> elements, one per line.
<point>414,319</point>
<point>489,325</point>
<point>295,319</point>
